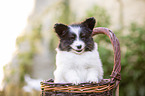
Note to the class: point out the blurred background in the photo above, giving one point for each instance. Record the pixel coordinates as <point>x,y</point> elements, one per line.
<point>28,41</point>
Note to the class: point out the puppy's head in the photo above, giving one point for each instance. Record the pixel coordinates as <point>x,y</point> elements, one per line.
<point>76,37</point>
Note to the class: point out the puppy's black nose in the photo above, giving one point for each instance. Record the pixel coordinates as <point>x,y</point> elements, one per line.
<point>79,46</point>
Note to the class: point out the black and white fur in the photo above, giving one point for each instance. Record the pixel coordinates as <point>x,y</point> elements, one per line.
<point>77,58</point>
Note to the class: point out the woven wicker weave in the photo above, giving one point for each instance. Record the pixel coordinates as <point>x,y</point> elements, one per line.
<point>104,88</point>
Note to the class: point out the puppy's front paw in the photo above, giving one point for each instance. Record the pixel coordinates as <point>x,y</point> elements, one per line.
<point>75,81</point>
<point>93,80</point>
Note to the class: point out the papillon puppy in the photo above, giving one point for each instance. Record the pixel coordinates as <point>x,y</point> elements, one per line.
<point>77,58</point>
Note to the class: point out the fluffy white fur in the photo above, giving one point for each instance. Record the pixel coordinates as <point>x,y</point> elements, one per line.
<point>78,68</point>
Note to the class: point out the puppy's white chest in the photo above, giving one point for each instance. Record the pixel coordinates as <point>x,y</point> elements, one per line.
<point>72,60</point>
<point>71,67</point>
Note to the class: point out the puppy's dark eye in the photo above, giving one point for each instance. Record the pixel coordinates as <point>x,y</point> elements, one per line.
<point>72,38</point>
<point>83,37</point>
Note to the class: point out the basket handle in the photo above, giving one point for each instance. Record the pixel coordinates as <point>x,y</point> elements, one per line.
<point>116,48</point>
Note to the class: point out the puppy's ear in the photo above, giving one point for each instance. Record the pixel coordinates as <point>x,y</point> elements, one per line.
<point>90,23</point>
<point>60,29</point>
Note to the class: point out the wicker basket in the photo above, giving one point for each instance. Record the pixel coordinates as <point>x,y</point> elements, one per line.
<point>104,88</point>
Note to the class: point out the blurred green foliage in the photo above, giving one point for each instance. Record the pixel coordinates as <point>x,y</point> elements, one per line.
<point>63,13</point>
<point>133,62</point>
<point>101,15</point>
<point>26,58</point>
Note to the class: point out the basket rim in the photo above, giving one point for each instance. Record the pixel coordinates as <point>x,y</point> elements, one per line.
<point>50,86</point>
<point>51,82</point>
